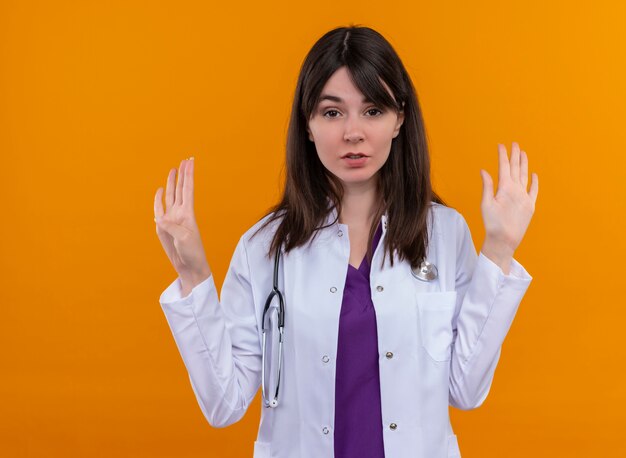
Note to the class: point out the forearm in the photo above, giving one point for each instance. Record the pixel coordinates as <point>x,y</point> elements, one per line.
<point>199,327</point>
<point>486,314</point>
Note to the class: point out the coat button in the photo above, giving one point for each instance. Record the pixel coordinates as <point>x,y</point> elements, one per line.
<point>333,289</point>
<point>340,233</point>
<point>379,288</point>
<point>393,426</point>
<point>389,355</point>
<point>325,430</point>
<point>325,358</point>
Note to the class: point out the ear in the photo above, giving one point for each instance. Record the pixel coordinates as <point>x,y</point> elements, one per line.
<point>400,121</point>
<point>310,134</point>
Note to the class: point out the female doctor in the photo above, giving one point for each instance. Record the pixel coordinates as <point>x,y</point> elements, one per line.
<point>388,314</point>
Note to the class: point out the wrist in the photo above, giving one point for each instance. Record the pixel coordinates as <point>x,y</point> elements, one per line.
<point>499,253</point>
<point>190,280</point>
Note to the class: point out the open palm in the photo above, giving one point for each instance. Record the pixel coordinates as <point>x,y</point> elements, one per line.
<point>507,214</point>
<point>176,224</point>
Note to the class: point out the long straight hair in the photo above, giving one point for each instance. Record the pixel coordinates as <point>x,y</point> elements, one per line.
<point>403,186</point>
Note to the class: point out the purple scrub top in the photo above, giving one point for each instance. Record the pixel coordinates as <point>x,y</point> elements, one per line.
<point>358,418</point>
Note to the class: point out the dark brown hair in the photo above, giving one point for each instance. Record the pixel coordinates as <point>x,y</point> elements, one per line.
<point>403,185</point>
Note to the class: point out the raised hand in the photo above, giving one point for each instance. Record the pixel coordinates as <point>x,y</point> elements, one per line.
<point>177,229</point>
<point>507,214</point>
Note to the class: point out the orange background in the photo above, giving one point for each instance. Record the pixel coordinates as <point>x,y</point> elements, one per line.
<point>98,100</point>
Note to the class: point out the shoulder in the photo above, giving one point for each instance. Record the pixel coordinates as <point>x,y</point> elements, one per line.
<point>261,233</point>
<point>445,219</point>
<point>451,228</point>
<point>443,210</point>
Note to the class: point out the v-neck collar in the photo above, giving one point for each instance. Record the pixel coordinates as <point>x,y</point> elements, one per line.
<point>364,267</point>
<point>360,265</point>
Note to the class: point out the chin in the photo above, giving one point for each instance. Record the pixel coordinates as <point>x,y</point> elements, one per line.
<point>356,178</point>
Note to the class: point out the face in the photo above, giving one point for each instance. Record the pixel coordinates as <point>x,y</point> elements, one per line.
<point>344,123</point>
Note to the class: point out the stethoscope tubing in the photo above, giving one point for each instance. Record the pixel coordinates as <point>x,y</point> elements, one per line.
<point>281,324</point>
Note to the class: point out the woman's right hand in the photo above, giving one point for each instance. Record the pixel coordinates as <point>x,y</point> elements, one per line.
<point>177,229</point>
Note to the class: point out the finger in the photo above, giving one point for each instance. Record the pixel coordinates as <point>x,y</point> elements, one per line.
<point>188,184</point>
<point>487,187</point>
<point>504,172</point>
<point>534,187</point>
<point>158,203</point>
<point>169,190</point>
<point>524,169</point>
<point>178,200</point>
<point>515,166</point>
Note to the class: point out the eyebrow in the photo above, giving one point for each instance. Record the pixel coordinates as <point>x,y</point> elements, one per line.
<point>334,98</point>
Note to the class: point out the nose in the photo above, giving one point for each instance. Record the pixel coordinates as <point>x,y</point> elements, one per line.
<point>353,131</point>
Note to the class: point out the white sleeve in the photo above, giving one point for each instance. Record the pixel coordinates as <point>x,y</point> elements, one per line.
<point>218,341</point>
<point>487,301</point>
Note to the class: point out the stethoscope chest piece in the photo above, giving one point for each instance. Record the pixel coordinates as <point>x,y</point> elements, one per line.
<point>425,272</point>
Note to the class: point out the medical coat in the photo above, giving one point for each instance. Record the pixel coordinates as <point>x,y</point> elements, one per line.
<point>439,341</point>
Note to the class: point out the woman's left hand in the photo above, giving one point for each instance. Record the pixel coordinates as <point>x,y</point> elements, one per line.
<point>507,214</point>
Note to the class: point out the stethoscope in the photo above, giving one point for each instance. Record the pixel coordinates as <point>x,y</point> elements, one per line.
<point>426,272</point>
<point>281,324</point>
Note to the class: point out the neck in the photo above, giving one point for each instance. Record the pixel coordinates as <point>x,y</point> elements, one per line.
<point>358,205</point>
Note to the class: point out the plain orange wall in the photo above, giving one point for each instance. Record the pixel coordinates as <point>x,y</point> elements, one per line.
<point>98,100</point>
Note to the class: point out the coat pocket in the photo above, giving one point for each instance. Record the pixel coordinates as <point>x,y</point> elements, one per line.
<point>261,450</point>
<point>436,310</point>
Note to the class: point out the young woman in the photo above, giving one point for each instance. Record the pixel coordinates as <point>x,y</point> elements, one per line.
<point>388,314</point>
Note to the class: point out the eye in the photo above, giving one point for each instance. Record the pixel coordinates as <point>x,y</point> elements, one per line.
<point>330,111</point>
<point>375,109</point>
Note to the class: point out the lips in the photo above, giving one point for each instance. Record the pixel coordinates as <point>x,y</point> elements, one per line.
<point>353,154</point>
